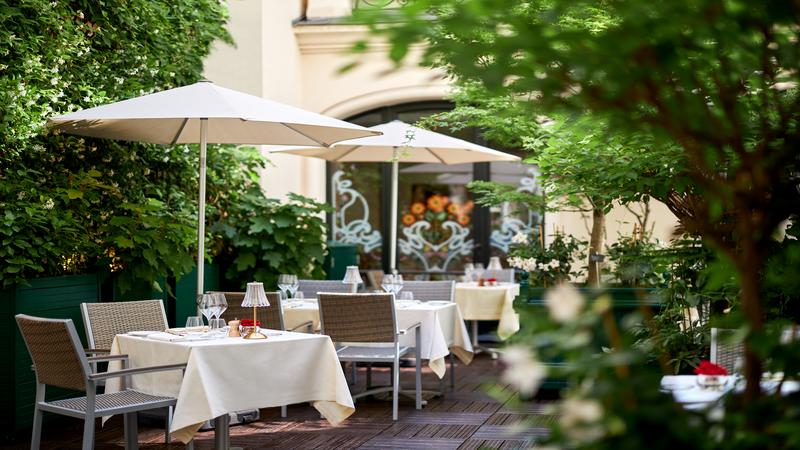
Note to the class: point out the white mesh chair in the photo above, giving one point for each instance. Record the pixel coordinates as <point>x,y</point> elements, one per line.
<point>364,329</point>
<point>310,288</point>
<point>724,351</point>
<point>501,275</point>
<point>59,361</point>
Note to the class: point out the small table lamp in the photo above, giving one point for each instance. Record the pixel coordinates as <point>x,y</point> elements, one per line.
<point>255,297</point>
<point>352,277</point>
<point>494,263</point>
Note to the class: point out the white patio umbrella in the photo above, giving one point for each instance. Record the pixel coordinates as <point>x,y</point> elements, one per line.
<point>401,142</point>
<point>206,113</point>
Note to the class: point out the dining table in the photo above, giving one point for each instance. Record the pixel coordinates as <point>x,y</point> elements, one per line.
<point>227,374</point>
<point>443,329</point>
<point>688,392</point>
<point>484,302</point>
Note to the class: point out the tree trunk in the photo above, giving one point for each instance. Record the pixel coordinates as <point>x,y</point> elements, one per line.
<point>748,263</point>
<point>596,243</point>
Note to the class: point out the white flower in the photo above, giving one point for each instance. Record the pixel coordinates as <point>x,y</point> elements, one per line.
<point>523,371</point>
<point>579,419</point>
<point>564,302</point>
<point>49,204</point>
<point>520,238</point>
<point>146,171</point>
<point>21,195</point>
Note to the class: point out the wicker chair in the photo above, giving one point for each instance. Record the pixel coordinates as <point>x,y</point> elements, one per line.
<point>501,275</point>
<point>59,361</point>
<point>724,352</point>
<point>105,320</point>
<point>430,290</point>
<point>310,288</point>
<point>364,328</point>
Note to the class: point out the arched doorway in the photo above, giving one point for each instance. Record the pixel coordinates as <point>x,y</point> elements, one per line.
<point>440,227</point>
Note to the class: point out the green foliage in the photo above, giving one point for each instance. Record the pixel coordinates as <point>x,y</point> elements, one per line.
<point>265,237</point>
<point>70,204</point>
<point>634,262</point>
<point>547,265</point>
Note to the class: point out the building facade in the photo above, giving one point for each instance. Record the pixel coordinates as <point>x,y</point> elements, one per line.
<point>292,51</point>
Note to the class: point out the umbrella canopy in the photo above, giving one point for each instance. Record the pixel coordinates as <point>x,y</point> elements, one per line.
<point>401,142</point>
<point>204,113</point>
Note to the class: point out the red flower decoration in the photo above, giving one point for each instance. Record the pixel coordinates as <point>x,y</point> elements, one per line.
<point>709,368</point>
<point>249,323</point>
<point>492,280</point>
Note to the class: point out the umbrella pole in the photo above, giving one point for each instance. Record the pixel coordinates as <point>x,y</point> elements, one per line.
<point>201,212</point>
<point>393,216</point>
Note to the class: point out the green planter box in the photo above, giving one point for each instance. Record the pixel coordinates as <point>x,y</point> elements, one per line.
<point>624,301</point>
<point>337,259</point>
<point>55,297</point>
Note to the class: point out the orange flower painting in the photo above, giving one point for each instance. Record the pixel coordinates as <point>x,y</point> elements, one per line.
<point>417,208</point>
<point>436,203</point>
<point>408,220</point>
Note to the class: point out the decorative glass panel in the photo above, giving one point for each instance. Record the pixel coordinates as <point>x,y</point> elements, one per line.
<point>509,219</point>
<point>356,200</point>
<point>435,229</point>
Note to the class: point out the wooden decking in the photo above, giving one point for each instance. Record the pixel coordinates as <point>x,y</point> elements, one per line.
<point>464,418</point>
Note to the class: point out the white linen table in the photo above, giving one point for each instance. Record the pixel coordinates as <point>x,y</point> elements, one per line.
<point>687,392</point>
<point>489,303</point>
<point>234,374</point>
<point>442,331</point>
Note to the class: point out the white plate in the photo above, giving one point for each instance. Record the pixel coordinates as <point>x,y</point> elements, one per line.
<point>141,333</point>
<point>438,303</point>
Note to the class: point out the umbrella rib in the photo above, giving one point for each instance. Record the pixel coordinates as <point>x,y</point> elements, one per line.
<point>434,154</point>
<point>355,147</point>
<point>180,130</point>
<point>304,135</point>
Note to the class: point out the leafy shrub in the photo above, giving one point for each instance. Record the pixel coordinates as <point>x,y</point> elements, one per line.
<point>70,204</point>
<point>264,237</point>
<point>547,265</point>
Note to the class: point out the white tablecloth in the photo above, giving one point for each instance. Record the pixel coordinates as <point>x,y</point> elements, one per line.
<point>443,329</point>
<point>686,391</point>
<point>490,303</point>
<point>234,374</point>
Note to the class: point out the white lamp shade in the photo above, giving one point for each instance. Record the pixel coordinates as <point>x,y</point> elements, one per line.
<point>352,276</point>
<point>494,263</point>
<point>255,295</point>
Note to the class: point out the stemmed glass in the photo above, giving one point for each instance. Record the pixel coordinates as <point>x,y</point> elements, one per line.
<point>388,283</point>
<point>398,283</point>
<point>207,307</point>
<point>294,284</point>
<point>284,281</point>
<point>479,270</point>
<point>468,269</point>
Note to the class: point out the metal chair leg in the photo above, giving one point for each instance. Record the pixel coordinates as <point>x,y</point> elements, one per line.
<point>168,425</point>
<point>354,369</point>
<point>395,386</point>
<point>283,411</point>
<point>418,375</point>
<point>369,375</point>
<point>36,437</point>
<point>131,431</point>
<point>88,432</point>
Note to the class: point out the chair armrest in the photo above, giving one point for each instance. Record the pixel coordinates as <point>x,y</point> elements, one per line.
<point>409,328</point>
<point>308,325</point>
<point>135,371</point>
<point>94,351</point>
<point>107,358</point>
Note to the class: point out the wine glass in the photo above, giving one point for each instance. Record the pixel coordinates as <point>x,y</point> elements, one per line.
<point>407,295</point>
<point>194,321</point>
<point>284,281</point>
<point>221,304</point>
<point>398,283</point>
<point>294,284</point>
<point>388,283</point>
<point>479,270</point>
<point>468,269</point>
<point>206,303</point>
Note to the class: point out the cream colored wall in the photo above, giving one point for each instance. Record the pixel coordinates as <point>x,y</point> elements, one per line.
<point>299,65</point>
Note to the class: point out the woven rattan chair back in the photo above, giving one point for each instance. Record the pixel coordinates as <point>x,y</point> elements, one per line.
<point>105,320</point>
<point>56,351</point>
<point>358,318</point>
<point>501,275</point>
<point>725,352</point>
<point>270,316</point>
<point>430,290</point>
<point>310,288</point>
